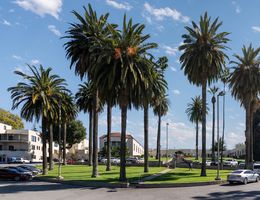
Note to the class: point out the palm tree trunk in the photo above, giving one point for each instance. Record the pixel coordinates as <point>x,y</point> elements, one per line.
<point>64,143</point>
<point>251,160</point>
<point>223,131</point>
<point>146,149</point>
<point>159,141</point>
<point>204,104</point>
<point>109,114</point>
<point>95,136</point>
<point>197,140</point>
<point>50,146</point>
<point>213,135</point>
<point>90,142</point>
<point>44,154</point>
<point>247,134</point>
<point>122,177</point>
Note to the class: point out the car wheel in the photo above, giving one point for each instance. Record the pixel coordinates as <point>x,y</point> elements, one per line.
<point>245,181</point>
<point>17,178</point>
<point>257,179</point>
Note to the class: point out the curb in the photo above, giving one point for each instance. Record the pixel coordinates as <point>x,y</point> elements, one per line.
<point>84,183</point>
<point>173,185</point>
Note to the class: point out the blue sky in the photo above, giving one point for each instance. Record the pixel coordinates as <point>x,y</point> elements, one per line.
<point>30,32</point>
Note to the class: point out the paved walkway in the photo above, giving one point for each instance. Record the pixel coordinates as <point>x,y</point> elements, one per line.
<point>148,178</point>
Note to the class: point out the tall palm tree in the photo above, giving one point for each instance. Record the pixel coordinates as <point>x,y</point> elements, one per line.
<point>160,108</point>
<point>194,112</point>
<point>84,100</point>
<point>244,83</point>
<point>39,96</point>
<point>128,69</point>
<point>213,91</point>
<point>85,49</point>
<point>224,78</point>
<point>203,60</point>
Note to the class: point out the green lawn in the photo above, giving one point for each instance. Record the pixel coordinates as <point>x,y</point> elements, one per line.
<point>83,173</point>
<point>183,175</point>
<point>162,159</point>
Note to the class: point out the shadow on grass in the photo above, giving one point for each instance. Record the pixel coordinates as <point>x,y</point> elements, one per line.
<point>236,194</point>
<point>174,176</point>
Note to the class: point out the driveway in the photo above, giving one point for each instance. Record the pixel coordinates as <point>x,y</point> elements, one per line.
<point>52,191</point>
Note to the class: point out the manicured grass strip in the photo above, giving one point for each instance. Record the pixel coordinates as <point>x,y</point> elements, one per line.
<point>83,173</point>
<point>183,175</point>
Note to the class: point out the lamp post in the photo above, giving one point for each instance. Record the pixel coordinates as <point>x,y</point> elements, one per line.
<point>167,124</point>
<point>219,94</point>
<point>59,169</point>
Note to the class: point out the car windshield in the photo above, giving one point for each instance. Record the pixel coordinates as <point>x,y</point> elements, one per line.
<point>237,172</point>
<point>256,166</point>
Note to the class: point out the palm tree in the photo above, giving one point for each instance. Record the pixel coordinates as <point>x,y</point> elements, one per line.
<point>203,60</point>
<point>85,49</point>
<point>160,108</point>
<point>194,112</point>
<point>224,79</point>
<point>213,91</point>
<point>128,69</point>
<point>68,113</point>
<point>244,83</point>
<point>39,97</point>
<point>84,100</point>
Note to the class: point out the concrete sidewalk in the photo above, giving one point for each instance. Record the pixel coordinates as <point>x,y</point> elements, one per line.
<point>148,178</point>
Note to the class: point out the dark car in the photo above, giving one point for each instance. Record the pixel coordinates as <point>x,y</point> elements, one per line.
<point>20,169</point>
<point>35,171</point>
<point>8,173</point>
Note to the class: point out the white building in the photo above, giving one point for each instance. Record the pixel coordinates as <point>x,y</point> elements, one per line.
<point>19,143</point>
<point>134,147</point>
<point>79,150</point>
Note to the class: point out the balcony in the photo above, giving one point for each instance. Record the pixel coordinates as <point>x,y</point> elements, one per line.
<point>11,138</point>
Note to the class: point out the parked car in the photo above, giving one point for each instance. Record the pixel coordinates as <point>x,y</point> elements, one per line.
<point>214,163</point>
<point>230,162</point>
<point>141,160</point>
<point>243,176</point>
<point>256,168</point>
<point>21,160</point>
<point>115,160</point>
<point>132,160</point>
<point>8,173</point>
<point>208,163</point>
<point>31,168</point>
<point>241,165</point>
<point>20,169</point>
<point>70,161</point>
<point>103,160</point>
<point>80,161</point>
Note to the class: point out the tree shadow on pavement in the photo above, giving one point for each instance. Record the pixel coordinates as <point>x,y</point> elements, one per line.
<point>236,194</point>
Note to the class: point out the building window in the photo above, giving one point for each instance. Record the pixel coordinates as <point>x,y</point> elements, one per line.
<point>1,147</point>
<point>4,127</point>
<point>33,156</point>
<point>33,138</point>
<point>33,147</point>
<point>10,137</point>
<point>11,148</point>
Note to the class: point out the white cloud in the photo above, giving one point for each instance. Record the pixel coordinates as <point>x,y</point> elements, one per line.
<point>237,8</point>
<point>233,138</point>
<point>16,57</point>
<point>176,92</point>
<point>117,5</point>
<point>7,23</point>
<point>53,29</point>
<point>256,28</point>
<point>41,7</point>
<point>173,69</point>
<point>35,62</point>
<point>162,13</point>
<point>170,50</point>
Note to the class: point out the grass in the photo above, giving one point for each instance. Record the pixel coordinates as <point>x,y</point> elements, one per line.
<point>183,175</point>
<point>162,159</point>
<point>83,173</point>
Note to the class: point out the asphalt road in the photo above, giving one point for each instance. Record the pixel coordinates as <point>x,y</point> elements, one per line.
<point>52,191</point>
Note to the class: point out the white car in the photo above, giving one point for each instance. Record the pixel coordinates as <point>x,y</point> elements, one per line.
<point>230,162</point>
<point>256,168</point>
<point>208,163</point>
<point>242,176</point>
<point>103,160</point>
<point>115,160</point>
<point>21,160</point>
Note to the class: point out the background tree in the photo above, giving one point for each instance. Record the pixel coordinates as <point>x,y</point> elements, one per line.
<point>10,119</point>
<point>203,61</point>
<point>213,90</point>
<point>194,112</point>
<point>244,83</point>
<point>222,146</point>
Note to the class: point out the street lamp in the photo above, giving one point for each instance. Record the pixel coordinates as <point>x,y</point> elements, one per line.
<point>167,124</point>
<point>222,93</point>
<point>59,169</point>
